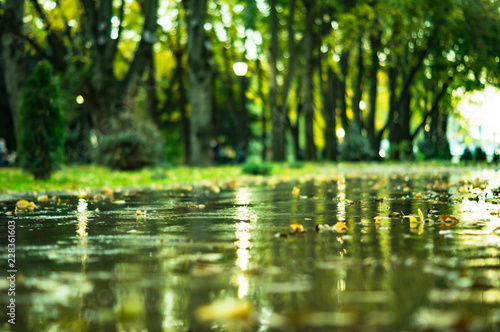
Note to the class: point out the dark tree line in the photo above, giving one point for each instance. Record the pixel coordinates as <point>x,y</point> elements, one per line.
<point>375,68</point>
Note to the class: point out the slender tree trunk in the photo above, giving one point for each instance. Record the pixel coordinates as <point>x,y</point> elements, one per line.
<point>434,125</point>
<point>310,153</point>
<point>245,131</point>
<point>295,129</point>
<point>151,97</point>
<point>393,118</point>
<point>358,88</point>
<point>14,57</point>
<point>330,113</point>
<point>344,69</point>
<point>443,146</point>
<point>277,119</point>
<point>200,83</point>
<point>375,41</point>
<point>183,101</point>
<point>260,91</point>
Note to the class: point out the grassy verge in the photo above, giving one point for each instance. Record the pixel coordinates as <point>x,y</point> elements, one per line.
<point>89,176</point>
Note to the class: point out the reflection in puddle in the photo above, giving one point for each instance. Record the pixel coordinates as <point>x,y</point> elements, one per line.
<point>222,268</point>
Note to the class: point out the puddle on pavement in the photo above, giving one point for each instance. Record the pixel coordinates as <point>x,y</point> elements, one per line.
<point>223,256</point>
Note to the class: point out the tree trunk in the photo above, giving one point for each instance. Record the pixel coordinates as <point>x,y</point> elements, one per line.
<point>183,101</point>
<point>105,94</point>
<point>260,91</point>
<point>358,88</point>
<point>310,153</point>
<point>14,57</point>
<point>294,129</point>
<point>330,114</point>
<point>277,119</point>
<point>375,41</point>
<point>344,69</point>
<point>151,97</point>
<point>200,83</point>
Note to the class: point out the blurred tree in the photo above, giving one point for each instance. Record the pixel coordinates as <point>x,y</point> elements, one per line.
<point>93,48</point>
<point>278,123</point>
<point>200,82</point>
<point>14,57</point>
<point>309,44</point>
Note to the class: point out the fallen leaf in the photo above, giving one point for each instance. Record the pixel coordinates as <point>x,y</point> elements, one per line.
<point>412,218</point>
<point>323,227</point>
<point>225,310</point>
<point>448,219</point>
<point>421,215</point>
<point>340,227</point>
<point>23,205</point>
<point>394,215</point>
<point>107,191</point>
<point>297,227</point>
<point>118,201</point>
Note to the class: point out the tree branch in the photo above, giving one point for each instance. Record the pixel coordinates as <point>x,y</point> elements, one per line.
<point>53,40</point>
<point>120,27</point>
<point>145,45</point>
<point>434,108</point>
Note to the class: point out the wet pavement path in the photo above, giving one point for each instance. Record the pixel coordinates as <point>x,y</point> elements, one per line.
<point>222,256</point>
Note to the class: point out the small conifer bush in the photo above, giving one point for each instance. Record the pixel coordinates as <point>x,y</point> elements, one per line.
<point>41,124</point>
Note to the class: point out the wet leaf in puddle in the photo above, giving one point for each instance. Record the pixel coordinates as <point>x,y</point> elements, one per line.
<point>412,218</point>
<point>394,215</point>
<point>296,227</point>
<point>323,227</point>
<point>225,310</point>
<point>421,215</point>
<point>107,191</point>
<point>25,205</point>
<point>117,201</point>
<point>196,206</point>
<point>448,219</point>
<point>340,227</point>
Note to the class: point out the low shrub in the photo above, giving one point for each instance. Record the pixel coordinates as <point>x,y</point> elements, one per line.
<point>355,147</point>
<point>297,164</point>
<point>132,143</point>
<point>257,168</point>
